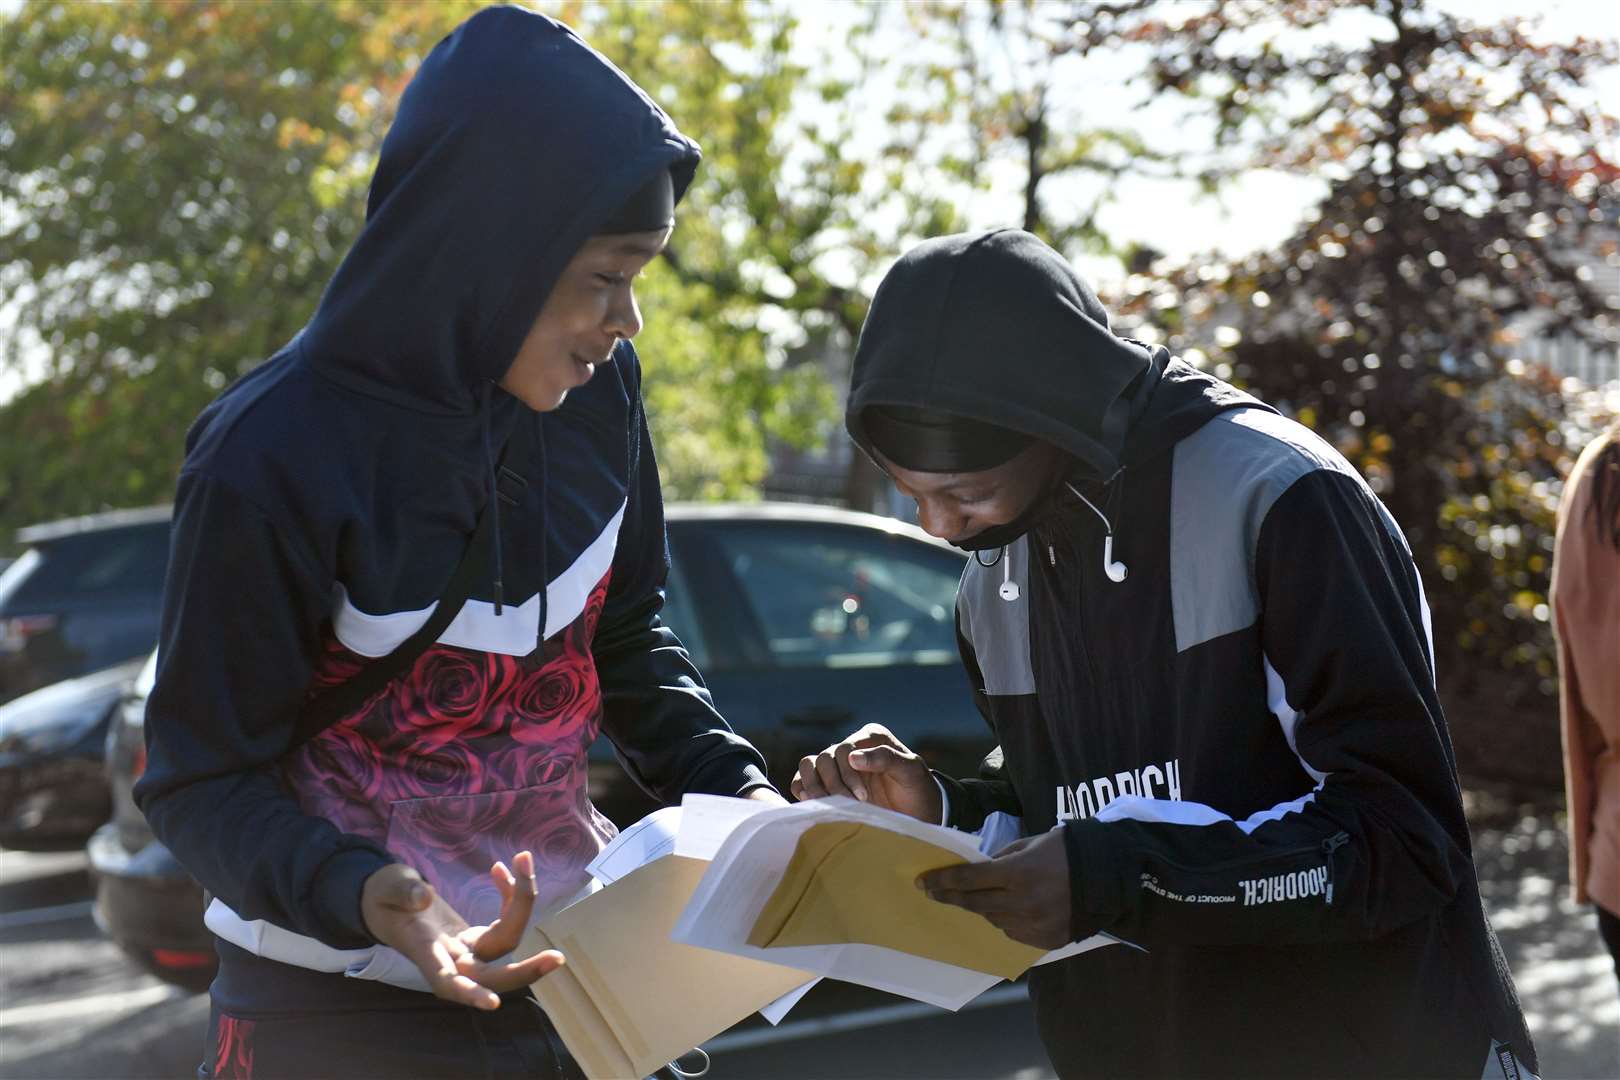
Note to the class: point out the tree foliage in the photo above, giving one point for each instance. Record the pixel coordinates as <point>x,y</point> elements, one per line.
<point>1466,171</point>
<point>178,180</point>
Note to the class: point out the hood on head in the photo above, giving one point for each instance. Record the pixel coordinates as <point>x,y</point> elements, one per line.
<point>996,326</point>
<point>512,144</point>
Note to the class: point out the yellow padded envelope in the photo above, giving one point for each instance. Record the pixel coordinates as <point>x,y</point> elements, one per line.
<point>629,998</point>
<point>849,882</point>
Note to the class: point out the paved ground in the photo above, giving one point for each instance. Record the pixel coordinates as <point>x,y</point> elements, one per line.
<point>71,1008</point>
<point>1565,979</point>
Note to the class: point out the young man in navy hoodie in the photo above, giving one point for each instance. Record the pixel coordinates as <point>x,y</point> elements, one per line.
<point>470,361</point>
<point>1203,650</point>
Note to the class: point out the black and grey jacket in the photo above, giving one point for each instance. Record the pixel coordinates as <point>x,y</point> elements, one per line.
<point>1242,739</point>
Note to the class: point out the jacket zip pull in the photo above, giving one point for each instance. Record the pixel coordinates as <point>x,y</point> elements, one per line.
<point>1329,846</point>
<point>1051,556</point>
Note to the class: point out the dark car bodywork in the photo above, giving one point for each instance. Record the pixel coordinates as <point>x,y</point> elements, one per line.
<point>145,900</point>
<point>806,622</point>
<point>53,792</point>
<point>83,596</point>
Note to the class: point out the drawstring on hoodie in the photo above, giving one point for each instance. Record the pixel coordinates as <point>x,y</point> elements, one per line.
<point>494,495</point>
<point>495,469</point>
<point>545,570</point>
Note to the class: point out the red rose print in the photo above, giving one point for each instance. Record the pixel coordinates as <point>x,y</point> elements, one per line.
<point>444,697</point>
<point>444,828</point>
<point>233,1049</point>
<point>563,844</point>
<point>560,699</point>
<point>541,766</point>
<point>431,772</point>
<point>338,663</point>
<point>594,604</point>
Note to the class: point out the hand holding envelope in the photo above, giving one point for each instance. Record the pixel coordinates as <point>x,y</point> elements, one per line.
<point>1023,891</point>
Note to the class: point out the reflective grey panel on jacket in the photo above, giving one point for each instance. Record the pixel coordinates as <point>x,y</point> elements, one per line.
<point>1227,476</point>
<point>998,629</point>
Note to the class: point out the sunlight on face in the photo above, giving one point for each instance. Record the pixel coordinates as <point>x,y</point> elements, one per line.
<point>955,506</point>
<point>591,307</point>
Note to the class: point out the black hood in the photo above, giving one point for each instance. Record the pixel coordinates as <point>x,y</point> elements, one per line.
<point>998,327</point>
<point>514,142</point>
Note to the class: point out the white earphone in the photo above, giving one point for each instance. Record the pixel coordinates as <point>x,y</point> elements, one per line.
<point>1009,587</point>
<point>1116,571</point>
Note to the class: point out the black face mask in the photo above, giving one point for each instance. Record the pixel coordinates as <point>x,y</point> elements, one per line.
<point>999,536</point>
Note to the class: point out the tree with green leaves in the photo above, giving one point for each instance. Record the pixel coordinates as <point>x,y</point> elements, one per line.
<point>1466,171</point>
<point>178,181</point>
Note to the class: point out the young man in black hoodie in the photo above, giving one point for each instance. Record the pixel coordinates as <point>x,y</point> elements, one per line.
<point>1202,646</point>
<point>465,396</point>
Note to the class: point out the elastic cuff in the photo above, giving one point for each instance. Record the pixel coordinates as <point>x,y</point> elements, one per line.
<point>1096,891</point>
<point>730,774</point>
<point>337,891</point>
<point>754,777</point>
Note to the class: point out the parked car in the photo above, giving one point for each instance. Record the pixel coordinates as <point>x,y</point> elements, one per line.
<point>83,596</point>
<point>806,621</point>
<point>53,792</point>
<point>145,900</point>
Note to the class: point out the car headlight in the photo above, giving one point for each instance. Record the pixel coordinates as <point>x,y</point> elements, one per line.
<point>46,731</point>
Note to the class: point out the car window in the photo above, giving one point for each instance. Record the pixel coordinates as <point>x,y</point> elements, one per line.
<point>840,596</point>
<point>103,563</point>
<point>679,617</point>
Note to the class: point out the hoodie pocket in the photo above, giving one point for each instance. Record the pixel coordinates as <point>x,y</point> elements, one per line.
<point>453,841</point>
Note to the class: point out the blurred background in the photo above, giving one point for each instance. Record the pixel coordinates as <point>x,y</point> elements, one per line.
<point>1397,220</point>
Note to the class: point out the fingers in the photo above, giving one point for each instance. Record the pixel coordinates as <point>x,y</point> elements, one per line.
<point>831,776</point>
<point>966,877</point>
<point>994,904</point>
<point>518,892</point>
<point>879,759</point>
<point>450,983</point>
<point>511,976</point>
<point>831,772</point>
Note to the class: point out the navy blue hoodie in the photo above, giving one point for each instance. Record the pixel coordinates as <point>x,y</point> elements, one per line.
<point>327,496</point>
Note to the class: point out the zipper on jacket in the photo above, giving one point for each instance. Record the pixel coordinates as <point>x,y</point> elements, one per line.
<point>1329,846</point>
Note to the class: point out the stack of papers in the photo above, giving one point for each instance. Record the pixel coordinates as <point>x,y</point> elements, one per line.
<point>829,886</point>
<point>629,999</point>
<point>723,907</point>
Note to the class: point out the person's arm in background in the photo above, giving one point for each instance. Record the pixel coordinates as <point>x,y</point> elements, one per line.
<point>655,708</point>
<point>1582,740</point>
<point>243,609</point>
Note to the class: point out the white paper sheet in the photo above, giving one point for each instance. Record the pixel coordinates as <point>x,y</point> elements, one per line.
<point>650,838</point>
<point>748,864</point>
<point>707,820</point>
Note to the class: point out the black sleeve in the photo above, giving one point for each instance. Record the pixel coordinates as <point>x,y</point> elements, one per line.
<point>243,609</point>
<point>1381,842</point>
<point>973,800</point>
<point>656,710</point>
